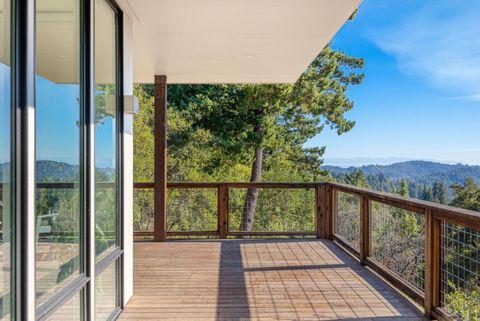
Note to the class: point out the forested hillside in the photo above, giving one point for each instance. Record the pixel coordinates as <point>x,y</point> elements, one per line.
<point>414,169</point>
<point>426,180</point>
<point>58,171</point>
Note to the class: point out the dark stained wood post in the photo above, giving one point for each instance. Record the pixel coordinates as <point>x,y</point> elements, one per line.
<point>160,132</point>
<point>321,210</point>
<point>364,229</point>
<point>331,208</point>
<point>222,203</point>
<point>432,263</point>
<point>324,210</point>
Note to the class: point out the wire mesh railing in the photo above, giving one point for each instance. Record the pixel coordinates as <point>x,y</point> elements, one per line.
<point>460,271</point>
<point>143,210</point>
<point>347,218</point>
<point>221,209</point>
<point>429,251</point>
<point>271,209</point>
<point>398,242</point>
<point>192,210</point>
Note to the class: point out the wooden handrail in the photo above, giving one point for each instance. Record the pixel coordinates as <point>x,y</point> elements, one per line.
<point>180,185</point>
<point>442,212</point>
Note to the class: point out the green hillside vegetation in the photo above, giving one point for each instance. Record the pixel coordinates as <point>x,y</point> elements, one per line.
<point>426,180</point>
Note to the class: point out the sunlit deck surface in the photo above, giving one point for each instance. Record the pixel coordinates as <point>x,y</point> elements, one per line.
<point>268,279</point>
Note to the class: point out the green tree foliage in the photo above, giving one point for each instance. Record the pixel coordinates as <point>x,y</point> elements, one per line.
<point>356,178</point>
<point>404,188</point>
<point>427,193</point>
<point>278,119</point>
<point>467,195</point>
<point>143,136</point>
<point>253,125</point>
<point>440,192</point>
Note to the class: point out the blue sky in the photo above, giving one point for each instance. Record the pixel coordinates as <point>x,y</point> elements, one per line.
<point>421,95</point>
<point>57,130</point>
<point>420,98</point>
<point>57,115</point>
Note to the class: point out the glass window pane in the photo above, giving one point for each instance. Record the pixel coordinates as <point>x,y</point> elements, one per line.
<point>69,311</point>
<point>106,292</point>
<point>5,179</point>
<point>57,145</point>
<point>105,129</point>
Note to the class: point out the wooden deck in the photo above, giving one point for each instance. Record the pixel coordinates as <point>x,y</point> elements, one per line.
<point>306,279</point>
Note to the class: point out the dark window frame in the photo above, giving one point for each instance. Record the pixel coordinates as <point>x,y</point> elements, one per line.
<point>22,51</point>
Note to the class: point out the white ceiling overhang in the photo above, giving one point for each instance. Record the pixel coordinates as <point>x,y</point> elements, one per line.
<point>197,41</point>
<point>232,41</point>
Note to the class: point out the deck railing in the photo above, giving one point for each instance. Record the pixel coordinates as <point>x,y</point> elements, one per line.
<point>429,251</point>
<point>215,209</point>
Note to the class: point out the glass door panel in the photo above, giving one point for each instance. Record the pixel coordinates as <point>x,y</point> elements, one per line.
<point>69,311</point>
<point>57,145</point>
<point>107,200</point>
<point>105,130</point>
<point>106,293</point>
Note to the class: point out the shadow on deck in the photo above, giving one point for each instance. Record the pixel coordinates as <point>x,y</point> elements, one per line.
<point>268,279</point>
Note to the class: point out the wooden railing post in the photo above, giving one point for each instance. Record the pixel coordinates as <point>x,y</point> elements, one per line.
<point>320,210</point>
<point>330,208</point>
<point>432,263</point>
<point>324,210</point>
<point>364,229</point>
<point>160,172</point>
<point>222,203</point>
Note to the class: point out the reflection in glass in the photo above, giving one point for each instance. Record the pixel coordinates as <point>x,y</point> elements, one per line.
<point>57,145</point>
<point>5,179</point>
<point>69,311</point>
<point>106,292</point>
<point>105,129</point>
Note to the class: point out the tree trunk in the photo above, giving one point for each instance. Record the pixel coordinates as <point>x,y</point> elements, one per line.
<point>248,212</point>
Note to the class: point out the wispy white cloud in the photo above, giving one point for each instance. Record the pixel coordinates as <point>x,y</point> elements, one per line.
<point>439,42</point>
<point>466,97</point>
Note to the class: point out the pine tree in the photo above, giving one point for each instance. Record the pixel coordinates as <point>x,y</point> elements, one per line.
<point>356,178</point>
<point>404,188</point>
<point>440,193</point>
<point>427,194</point>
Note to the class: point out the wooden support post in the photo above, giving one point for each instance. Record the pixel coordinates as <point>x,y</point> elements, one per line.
<point>324,211</point>
<point>432,263</point>
<point>321,207</point>
<point>160,132</point>
<point>364,229</point>
<point>330,205</point>
<point>222,203</point>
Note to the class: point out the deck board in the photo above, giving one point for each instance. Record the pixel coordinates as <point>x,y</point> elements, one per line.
<point>289,279</point>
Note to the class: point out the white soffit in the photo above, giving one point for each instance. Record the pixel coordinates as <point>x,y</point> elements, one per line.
<point>232,41</point>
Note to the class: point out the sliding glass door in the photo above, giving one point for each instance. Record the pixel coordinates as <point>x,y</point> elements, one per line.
<point>58,146</point>
<point>60,159</point>
<point>107,155</point>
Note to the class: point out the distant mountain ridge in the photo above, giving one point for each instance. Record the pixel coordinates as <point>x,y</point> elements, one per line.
<point>421,171</point>
<point>58,171</point>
